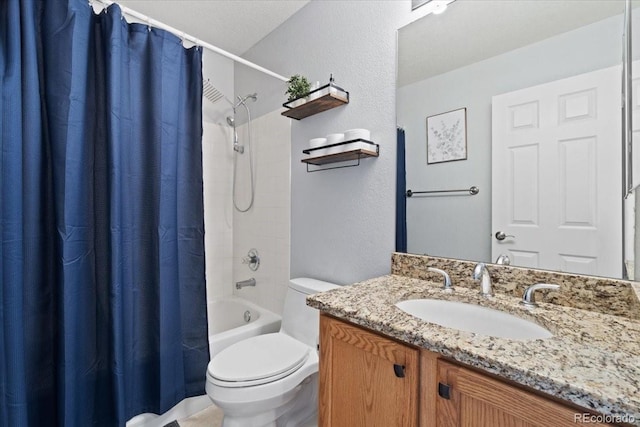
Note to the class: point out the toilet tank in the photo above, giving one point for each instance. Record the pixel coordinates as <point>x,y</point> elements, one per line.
<point>298,319</point>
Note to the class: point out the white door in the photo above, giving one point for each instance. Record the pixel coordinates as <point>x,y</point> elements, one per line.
<point>556,180</point>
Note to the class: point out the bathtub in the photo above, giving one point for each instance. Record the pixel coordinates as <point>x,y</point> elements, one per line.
<point>233,319</point>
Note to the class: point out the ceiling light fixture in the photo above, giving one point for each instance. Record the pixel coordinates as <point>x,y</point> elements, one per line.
<point>428,7</point>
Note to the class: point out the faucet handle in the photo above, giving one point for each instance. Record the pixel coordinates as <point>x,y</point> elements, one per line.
<point>447,279</point>
<point>529,298</point>
<point>252,259</point>
<point>503,260</point>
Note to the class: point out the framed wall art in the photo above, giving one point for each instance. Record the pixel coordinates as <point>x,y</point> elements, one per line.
<point>447,136</point>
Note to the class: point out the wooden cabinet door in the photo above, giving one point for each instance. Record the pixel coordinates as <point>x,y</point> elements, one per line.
<point>476,400</point>
<point>365,379</point>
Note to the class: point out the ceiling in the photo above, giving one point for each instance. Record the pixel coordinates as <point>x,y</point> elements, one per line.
<point>472,30</point>
<point>232,25</point>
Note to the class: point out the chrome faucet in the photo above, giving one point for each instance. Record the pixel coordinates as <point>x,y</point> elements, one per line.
<point>447,280</point>
<point>529,297</point>
<point>481,273</point>
<point>243,283</point>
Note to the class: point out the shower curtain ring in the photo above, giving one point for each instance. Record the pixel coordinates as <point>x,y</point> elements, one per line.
<point>149,24</point>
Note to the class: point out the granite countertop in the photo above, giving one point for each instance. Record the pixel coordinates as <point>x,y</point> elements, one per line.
<point>593,359</point>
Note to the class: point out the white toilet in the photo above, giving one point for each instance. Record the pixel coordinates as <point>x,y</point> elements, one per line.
<point>271,380</point>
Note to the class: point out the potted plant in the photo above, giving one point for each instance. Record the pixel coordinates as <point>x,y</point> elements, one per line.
<point>298,86</point>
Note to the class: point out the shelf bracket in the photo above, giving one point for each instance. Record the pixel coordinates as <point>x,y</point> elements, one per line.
<point>354,155</point>
<point>320,169</point>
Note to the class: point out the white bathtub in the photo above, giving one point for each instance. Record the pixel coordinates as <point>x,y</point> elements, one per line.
<point>227,324</point>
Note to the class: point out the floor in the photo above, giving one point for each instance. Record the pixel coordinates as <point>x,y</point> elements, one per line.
<point>212,417</point>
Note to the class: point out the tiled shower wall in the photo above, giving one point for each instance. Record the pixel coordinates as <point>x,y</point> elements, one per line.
<point>217,165</point>
<point>218,211</point>
<point>266,226</point>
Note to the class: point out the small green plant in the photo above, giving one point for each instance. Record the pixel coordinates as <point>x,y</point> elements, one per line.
<point>298,86</point>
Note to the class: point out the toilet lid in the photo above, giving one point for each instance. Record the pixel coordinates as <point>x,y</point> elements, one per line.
<point>258,360</point>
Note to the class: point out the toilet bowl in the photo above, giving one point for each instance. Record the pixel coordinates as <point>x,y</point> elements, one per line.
<point>271,380</point>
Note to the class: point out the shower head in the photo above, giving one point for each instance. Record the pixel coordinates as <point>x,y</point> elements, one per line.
<point>210,92</point>
<point>231,121</point>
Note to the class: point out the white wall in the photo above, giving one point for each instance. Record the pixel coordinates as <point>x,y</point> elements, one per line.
<point>265,226</point>
<point>342,221</point>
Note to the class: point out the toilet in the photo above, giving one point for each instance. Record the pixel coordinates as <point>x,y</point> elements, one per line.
<point>271,380</point>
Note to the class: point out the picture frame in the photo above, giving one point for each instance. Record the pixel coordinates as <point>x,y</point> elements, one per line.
<point>447,136</point>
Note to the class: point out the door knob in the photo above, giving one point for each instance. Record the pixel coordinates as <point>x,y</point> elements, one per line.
<point>501,236</point>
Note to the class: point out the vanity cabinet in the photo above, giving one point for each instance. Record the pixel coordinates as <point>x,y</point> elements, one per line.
<point>367,380</point>
<point>469,398</point>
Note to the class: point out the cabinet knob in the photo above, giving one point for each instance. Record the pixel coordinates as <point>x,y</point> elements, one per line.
<point>444,391</point>
<point>398,370</point>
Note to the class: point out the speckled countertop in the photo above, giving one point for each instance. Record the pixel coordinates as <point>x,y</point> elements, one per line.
<point>593,359</point>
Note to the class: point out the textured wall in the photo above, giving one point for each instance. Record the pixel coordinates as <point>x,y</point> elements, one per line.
<point>342,221</point>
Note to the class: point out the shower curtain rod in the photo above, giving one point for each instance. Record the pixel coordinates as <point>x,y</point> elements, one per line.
<point>184,36</point>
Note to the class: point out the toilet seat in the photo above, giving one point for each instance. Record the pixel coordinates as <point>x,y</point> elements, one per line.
<point>257,360</point>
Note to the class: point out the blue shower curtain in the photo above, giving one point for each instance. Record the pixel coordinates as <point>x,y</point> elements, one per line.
<point>102,299</point>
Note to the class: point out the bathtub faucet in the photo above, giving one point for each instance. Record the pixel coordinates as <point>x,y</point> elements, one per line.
<point>243,283</point>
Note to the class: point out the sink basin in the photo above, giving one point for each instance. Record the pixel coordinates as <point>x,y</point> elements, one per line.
<point>473,318</point>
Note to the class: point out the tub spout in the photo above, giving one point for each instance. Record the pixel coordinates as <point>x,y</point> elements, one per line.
<point>243,283</point>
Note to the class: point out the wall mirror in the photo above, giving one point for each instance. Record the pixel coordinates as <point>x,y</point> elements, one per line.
<point>520,99</point>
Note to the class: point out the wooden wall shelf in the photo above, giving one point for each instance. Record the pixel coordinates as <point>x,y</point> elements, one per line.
<point>373,150</point>
<point>329,96</point>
